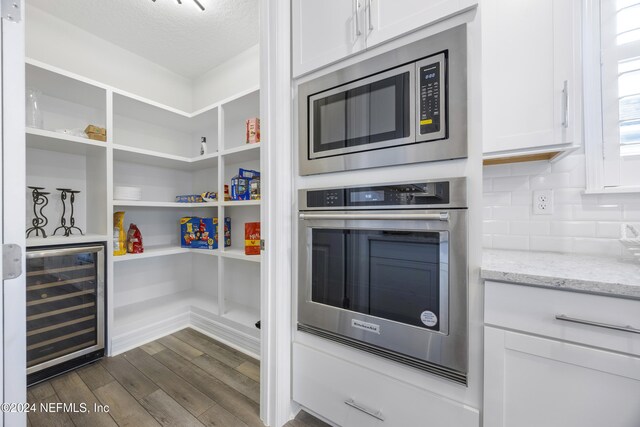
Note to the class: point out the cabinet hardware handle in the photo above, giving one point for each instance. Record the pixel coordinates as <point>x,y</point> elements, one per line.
<point>353,404</point>
<point>369,12</point>
<point>442,216</point>
<point>565,104</point>
<point>357,5</point>
<point>627,328</point>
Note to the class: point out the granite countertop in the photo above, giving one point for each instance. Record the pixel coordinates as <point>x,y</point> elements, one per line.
<point>580,273</point>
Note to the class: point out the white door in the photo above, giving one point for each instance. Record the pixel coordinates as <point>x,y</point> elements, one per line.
<point>12,167</point>
<point>529,80</point>
<point>325,32</point>
<point>388,19</point>
<point>532,382</point>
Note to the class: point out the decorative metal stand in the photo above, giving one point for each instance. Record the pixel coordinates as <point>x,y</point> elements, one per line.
<point>67,229</point>
<point>39,221</point>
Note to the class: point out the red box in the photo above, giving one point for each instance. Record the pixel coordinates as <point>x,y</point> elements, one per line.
<point>252,238</point>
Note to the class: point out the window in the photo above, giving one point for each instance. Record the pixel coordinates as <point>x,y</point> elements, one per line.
<point>612,94</point>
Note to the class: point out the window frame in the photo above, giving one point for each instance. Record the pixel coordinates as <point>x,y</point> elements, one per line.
<point>602,159</point>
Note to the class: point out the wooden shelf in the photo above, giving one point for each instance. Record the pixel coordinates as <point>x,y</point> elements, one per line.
<point>33,242</point>
<point>242,154</point>
<point>239,254</point>
<point>241,203</point>
<point>62,143</point>
<point>158,251</point>
<point>125,153</point>
<point>151,252</point>
<point>175,205</point>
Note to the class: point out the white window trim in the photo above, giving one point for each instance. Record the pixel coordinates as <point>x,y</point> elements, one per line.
<point>594,145</point>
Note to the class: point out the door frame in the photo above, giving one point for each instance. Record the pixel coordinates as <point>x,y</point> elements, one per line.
<point>276,407</point>
<point>14,377</point>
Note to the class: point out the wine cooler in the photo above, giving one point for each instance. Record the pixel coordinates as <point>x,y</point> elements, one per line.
<point>65,308</point>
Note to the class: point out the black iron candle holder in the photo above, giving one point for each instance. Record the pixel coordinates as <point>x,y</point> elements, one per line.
<point>63,220</point>
<point>39,221</point>
<point>67,229</point>
<point>72,221</point>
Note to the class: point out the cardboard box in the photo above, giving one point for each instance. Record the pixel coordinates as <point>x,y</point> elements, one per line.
<point>97,137</point>
<point>252,238</point>
<point>253,131</point>
<point>202,233</point>
<point>95,129</point>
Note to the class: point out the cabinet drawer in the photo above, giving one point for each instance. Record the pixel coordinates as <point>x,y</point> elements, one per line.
<point>534,310</point>
<point>323,383</point>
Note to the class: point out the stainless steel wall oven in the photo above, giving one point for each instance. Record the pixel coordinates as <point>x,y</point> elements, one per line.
<point>404,106</point>
<point>384,269</point>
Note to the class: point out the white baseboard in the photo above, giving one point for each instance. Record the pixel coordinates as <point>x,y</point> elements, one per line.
<point>225,334</point>
<point>148,333</point>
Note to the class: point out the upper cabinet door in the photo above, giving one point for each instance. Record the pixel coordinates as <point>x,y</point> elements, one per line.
<point>530,82</point>
<point>388,19</point>
<point>325,31</point>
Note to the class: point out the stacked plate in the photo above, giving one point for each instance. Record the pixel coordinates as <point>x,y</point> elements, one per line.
<point>127,193</point>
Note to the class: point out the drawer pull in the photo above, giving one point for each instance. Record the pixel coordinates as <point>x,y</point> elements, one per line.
<point>353,404</point>
<point>598,324</point>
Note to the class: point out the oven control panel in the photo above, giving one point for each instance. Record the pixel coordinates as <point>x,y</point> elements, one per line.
<point>426,193</point>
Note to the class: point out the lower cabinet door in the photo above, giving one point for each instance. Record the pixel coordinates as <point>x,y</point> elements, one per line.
<point>351,395</point>
<point>532,382</point>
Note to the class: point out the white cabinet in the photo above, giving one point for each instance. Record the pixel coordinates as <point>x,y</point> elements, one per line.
<point>530,77</point>
<point>388,19</point>
<point>327,31</point>
<point>543,371</point>
<point>532,381</point>
<point>352,395</point>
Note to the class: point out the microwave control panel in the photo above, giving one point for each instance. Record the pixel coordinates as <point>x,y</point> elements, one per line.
<point>432,96</point>
<point>431,193</point>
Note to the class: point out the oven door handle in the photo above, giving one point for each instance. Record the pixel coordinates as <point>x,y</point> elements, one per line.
<point>440,216</point>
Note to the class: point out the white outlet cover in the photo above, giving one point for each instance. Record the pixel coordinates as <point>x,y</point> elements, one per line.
<point>542,202</point>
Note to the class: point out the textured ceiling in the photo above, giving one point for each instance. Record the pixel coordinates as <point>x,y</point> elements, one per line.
<point>182,38</point>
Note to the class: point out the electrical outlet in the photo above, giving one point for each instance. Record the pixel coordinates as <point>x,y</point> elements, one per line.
<point>543,202</point>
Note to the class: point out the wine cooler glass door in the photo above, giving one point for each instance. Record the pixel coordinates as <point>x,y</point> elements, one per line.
<point>64,304</point>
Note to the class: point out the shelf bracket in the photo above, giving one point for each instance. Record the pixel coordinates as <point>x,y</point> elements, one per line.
<point>262,244</point>
<point>10,10</point>
<point>11,261</point>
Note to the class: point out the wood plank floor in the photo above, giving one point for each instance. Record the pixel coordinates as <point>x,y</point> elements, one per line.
<point>183,379</point>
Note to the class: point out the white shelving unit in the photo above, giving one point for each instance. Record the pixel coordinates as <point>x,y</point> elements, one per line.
<point>157,148</point>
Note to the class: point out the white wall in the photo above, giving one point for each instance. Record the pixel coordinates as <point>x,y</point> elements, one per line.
<point>236,75</point>
<point>58,43</point>
<point>586,224</point>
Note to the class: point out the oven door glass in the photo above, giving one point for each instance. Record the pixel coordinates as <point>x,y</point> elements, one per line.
<point>363,115</point>
<point>395,275</point>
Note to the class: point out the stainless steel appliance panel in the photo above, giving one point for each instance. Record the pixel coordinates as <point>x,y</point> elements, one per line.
<point>368,276</point>
<point>447,52</point>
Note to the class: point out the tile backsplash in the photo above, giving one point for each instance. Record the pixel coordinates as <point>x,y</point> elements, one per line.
<point>580,223</point>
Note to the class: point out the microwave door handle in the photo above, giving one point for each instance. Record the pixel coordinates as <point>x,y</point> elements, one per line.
<point>440,216</point>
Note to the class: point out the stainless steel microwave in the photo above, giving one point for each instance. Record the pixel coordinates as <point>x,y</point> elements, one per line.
<point>405,106</point>
<point>383,268</point>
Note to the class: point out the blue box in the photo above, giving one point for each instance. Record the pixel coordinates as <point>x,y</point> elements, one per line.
<point>202,233</point>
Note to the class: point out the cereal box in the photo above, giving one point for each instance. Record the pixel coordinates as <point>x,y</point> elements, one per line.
<point>252,238</point>
<point>201,233</point>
